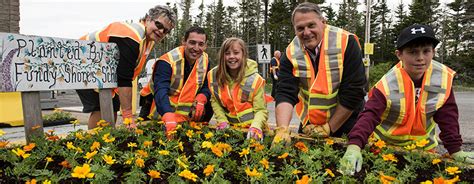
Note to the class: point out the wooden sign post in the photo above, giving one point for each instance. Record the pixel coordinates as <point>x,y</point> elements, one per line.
<point>30,64</point>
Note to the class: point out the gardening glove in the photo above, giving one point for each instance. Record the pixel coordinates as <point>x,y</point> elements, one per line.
<point>222,126</point>
<point>199,101</point>
<point>128,118</point>
<point>255,133</point>
<point>171,120</point>
<point>282,134</point>
<point>462,156</point>
<point>317,130</point>
<point>351,162</point>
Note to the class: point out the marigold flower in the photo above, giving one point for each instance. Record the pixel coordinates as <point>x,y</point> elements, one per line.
<point>140,162</point>
<point>106,138</point>
<point>35,127</point>
<point>216,151</point>
<point>95,145</point>
<point>224,147</point>
<point>32,181</point>
<point>427,182</point>
<point>389,157</point>
<point>304,180</point>
<point>65,164</point>
<point>154,174</point>
<point>147,144</point>
<point>208,170</point>
<point>162,142</point>
<point>19,152</point>
<point>265,163</point>
<point>3,144</point>
<point>301,146</point>
<point>82,172</point>
<point>258,147</point>
<point>164,152</point>
<point>206,144</point>
<point>244,152</point>
<point>190,133</point>
<point>70,146</point>
<point>329,141</point>
<point>48,159</point>
<point>29,147</point>
<point>283,156</point>
<point>128,161</point>
<point>208,135</point>
<point>330,173</point>
<point>108,159</point>
<point>46,182</point>
<point>386,179</point>
<point>139,131</point>
<point>436,161</point>
<point>181,164</point>
<point>79,135</point>
<point>132,145</point>
<point>142,153</point>
<point>89,155</point>
<point>410,147</point>
<point>452,170</point>
<point>127,121</point>
<point>422,143</point>
<point>75,122</point>
<point>380,144</point>
<point>296,172</point>
<point>180,146</point>
<point>253,173</point>
<point>188,175</point>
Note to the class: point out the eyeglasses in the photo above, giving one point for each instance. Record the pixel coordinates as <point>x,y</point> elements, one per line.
<point>160,26</point>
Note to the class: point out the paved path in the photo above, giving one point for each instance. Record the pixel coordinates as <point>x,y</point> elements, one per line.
<point>70,101</point>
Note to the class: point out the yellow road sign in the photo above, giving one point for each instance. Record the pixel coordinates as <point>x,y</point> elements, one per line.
<point>369,48</point>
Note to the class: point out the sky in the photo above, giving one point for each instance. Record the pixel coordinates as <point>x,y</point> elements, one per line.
<point>74,18</point>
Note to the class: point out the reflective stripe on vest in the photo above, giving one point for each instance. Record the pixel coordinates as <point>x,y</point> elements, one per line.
<point>182,93</point>
<point>318,101</point>
<point>404,122</point>
<point>238,107</point>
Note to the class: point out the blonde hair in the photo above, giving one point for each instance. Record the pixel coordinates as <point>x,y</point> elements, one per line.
<point>222,69</point>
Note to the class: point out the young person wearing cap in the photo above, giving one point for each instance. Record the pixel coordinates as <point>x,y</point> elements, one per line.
<point>408,101</point>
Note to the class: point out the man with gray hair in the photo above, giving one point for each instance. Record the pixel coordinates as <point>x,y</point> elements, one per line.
<point>134,41</point>
<point>321,73</point>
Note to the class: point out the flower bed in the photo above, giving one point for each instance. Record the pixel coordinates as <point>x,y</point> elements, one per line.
<point>201,154</point>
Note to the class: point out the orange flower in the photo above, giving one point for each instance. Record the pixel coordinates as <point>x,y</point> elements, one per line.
<point>3,144</point>
<point>95,145</point>
<point>304,180</point>
<point>389,157</point>
<point>386,179</point>
<point>208,170</point>
<point>216,151</point>
<point>283,156</point>
<point>258,147</point>
<point>224,147</point>
<point>330,173</point>
<point>188,175</point>
<point>140,162</point>
<point>154,174</point>
<point>147,144</point>
<point>244,152</point>
<point>29,147</point>
<point>301,146</point>
<point>139,131</point>
<point>329,141</point>
<point>265,163</point>
<point>380,144</point>
<point>65,164</point>
<point>32,181</point>
<point>142,153</point>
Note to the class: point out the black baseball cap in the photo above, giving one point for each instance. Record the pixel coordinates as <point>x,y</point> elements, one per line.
<point>414,32</point>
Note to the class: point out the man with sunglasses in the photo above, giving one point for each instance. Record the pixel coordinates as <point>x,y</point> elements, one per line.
<point>179,82</point>
<point>135,41</point>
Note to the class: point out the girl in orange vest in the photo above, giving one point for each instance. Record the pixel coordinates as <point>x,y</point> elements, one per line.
<point>238,96</point>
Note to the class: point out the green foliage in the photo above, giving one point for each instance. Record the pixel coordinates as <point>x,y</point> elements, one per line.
<point>377,71</point>
<point>58,115</point>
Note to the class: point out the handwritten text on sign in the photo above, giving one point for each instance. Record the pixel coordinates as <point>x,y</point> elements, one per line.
<point>32,63</point>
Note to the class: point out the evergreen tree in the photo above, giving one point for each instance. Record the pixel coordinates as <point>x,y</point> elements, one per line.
<point>280,28</point>
<point>380,33</point>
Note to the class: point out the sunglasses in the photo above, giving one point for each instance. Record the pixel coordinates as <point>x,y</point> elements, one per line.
<point>160,26</point>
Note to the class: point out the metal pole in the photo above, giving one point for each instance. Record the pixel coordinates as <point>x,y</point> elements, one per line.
<point>367,40</point>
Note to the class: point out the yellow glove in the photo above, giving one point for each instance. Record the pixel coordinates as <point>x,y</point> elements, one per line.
<point>282,134</point>
<point>317,130</point>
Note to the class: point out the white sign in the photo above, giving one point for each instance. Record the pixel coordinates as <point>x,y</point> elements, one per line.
<point>32,63</point>
<point>264,53</point>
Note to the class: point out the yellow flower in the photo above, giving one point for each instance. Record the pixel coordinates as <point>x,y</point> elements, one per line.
<point>283,156</point>
<point>139,131</point>
<point>224,147</point>
<point>208,135</point>
<point>386,179</point>
<point>2,132</point>
<point>258,147</point>
<point>142,153</point>
<point>427,182</point>
<point>181,164</point>
<point>206,144</point>
<point>304,180</point>
<point>330,173</point>
<point>19,152</point>
<point>244,151</point>
<point>154,174</point>
<point>106,138</point>
<point>380,144</point>
<point>75,122</point>
<point>89,155</point>
<point>452,170</point>
<point>180,146</point>
<point>188,175</point>
<point>208,170</point>
<point>128,162</point>
<point>108,159</point>
<point>32,181</point>
<point>82,172</point>
<point>29,147</point>
<point>329,141</point>
<point>296,171</point>
<point>164,152</point>
<point>79,135</point>
<point>147,144</point>
<point>162,143</point>
<point>47,182</point>
<point>190,133</point>
<point>436,161</point>
<point>140,119</point>
<point>216,151</point>
<point>140,162</point>
<point>265,163</point>
<point>422,143</point>
<point>70,146</point>
<point>127,121</point>
<point>95,145</point>
<point>48,159</point>
<point>253,173</point>
<point>410,147</point>
<point>389,157</point>
<point>132,145</point>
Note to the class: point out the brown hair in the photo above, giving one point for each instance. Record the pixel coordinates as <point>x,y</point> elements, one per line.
<point>222,69</point>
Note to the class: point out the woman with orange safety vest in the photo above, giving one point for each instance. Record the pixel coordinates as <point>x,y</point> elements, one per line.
<point>405,106</point>
<point>134,41</point>
<point>238,96</point>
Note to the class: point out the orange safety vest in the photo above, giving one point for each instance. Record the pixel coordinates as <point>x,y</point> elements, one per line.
<point>182,93</point>
<point>318,92</point>
<point>277,66</point>
<point>134,31</point>
<point>238,105</point>
<point>404,122</point>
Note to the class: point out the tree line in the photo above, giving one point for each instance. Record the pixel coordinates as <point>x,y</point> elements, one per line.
<point>269,21</point>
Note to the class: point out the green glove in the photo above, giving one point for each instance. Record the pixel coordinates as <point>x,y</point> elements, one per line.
<point>352,160</point>
<point>466,157</point>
